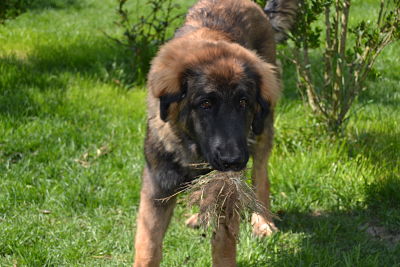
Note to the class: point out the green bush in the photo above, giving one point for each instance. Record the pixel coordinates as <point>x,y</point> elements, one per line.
<point>12,8</point>
<point>148,31</point>
<point>349,52</point>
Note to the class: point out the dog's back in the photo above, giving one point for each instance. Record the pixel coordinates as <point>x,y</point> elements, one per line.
<point>240,21</point>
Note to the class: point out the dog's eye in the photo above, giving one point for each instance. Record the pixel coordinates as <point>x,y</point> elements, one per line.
<point>243,103</point>
<point>206,104</point>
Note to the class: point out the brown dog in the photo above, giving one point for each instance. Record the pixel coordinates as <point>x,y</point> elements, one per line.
<point>212,93</point>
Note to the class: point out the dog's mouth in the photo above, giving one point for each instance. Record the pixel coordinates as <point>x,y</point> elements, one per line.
<point>218,166</point>
<point>220,159</point>
<point>228,164</point>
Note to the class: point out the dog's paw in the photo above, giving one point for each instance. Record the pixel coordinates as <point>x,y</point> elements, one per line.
<point>262,226</point>
<point>193,221</point>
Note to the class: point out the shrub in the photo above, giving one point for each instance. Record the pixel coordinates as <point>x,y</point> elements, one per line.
<point>348,54</point>
<point>144,36</point>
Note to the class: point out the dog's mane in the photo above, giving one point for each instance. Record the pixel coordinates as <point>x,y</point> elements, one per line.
<point>200,48</point>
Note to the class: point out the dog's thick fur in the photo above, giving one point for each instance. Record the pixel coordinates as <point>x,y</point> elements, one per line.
<point>212,93</point>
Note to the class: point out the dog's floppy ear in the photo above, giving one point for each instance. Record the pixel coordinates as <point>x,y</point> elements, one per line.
<point>268,91</point>
<point>260,116</point>
<point>167,99</point>
<point>165,79</point>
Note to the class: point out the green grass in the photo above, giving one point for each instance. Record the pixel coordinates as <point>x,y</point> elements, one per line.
<point>71,158</point>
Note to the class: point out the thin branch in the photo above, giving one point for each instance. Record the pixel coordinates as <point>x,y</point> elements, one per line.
<point>381,12</point>
<point>341,66</point>
<point>328,50</point>
<point>344,23</point>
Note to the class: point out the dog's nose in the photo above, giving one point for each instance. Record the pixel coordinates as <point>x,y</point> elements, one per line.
<point>232,163</point>
<point>230,159</point>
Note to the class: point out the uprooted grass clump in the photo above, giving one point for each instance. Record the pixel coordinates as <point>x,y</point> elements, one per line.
<point>221,196</point>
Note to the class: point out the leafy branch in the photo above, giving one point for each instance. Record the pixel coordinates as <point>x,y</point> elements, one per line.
<point>349,53</point>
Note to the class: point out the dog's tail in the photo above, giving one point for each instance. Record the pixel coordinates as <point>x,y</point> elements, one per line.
<point>282,15</point>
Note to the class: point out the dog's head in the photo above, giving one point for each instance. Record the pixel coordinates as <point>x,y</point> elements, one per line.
<point>216,94</point>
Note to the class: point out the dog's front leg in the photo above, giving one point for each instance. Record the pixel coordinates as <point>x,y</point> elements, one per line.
<point>263,225</point>
<point>152,223</point>
<point>223,243</point>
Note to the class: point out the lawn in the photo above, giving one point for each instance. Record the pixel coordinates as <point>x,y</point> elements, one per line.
<point>71,134</point>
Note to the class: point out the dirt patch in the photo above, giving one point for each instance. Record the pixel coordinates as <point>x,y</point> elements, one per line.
<point>382,234</point>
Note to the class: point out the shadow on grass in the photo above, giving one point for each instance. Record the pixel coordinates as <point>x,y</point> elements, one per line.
<point>13,9</point>
<point>55,4</point>
<point>386,94</point>
<point>18,85</point>
<point>382,149</point>
<point>331,239</point>
<point>48,70</point>
<point>343,234</point>
<point>382,195</point>
<point>365,235</point>
<point>99,59</point>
